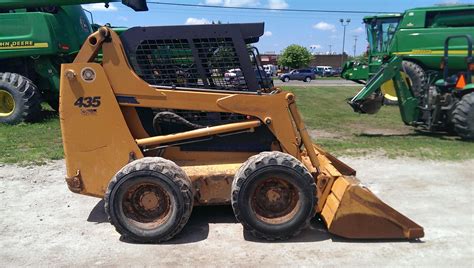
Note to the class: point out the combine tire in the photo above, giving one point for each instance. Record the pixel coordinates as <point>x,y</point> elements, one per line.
<point>417,76</point>
<point>463,117</point>
<point>149,200</point>
<point>273,196</point>
<point>19,99</point>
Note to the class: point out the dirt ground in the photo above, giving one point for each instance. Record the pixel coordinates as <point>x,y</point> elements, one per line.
<point>42,223</point>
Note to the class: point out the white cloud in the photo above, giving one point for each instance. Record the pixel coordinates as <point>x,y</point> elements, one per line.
<point>122,18</point>
<point>324,26</point>
<point>194,21</point>
<point>448,3</point>
<point>358,30</point>
<point>100,7</point>
<point>232,3</point>
<point>315,46</point>
<point>277,4</point>
<point>268,34</point>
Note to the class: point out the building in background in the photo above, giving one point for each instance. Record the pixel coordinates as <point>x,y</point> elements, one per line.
<point>333,60</point>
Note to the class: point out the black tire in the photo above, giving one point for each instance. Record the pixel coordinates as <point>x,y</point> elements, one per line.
<point>279,175</point>
<point>463,117</point>
<point>417,75</point>
<point>286,79</point>
<point>307,79</point>
<point>158,183</point>
<point>23,96</point>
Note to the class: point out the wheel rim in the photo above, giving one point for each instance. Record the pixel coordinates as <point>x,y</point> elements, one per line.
<point>146,205</point>
<point>275,201</point>
<point>7,103</point>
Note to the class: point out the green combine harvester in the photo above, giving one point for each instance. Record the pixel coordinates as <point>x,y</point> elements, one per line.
<point>36,37</point>
<point>417,37</point>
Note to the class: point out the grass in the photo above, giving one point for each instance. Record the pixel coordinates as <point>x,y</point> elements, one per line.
<point>331,122</point>
<point>31,143</point>
<point>342,132</point>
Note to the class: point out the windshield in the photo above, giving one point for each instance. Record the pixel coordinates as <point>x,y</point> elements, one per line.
<point>380,33</point>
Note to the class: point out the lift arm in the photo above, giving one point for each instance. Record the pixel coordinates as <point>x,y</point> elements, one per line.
<point>369,99</point>
<point>137,5</point>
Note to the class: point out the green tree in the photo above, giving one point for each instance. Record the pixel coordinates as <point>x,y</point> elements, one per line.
<point>295,56</point>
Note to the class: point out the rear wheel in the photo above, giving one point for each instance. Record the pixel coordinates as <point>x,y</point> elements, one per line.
<point>149,200</point>
<point>307,79</point>
<point>416,76</point>
<point>463,117</point>
<point>19,99</point>
<point>273,196</point>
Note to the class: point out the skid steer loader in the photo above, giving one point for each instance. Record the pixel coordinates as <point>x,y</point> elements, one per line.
<point>156,129</point>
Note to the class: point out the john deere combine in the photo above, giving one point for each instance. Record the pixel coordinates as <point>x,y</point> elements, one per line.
<point>417,37</point>
<point>36,37</point>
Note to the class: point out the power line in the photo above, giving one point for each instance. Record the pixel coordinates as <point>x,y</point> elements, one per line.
<point>271,9</point>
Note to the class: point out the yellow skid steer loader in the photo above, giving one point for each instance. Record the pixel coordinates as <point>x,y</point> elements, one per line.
<point>182,116</point>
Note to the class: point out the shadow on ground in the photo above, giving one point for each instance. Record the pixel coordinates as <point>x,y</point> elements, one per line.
<point>197,228</point>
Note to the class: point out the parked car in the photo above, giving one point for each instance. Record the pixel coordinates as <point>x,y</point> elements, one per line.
<point>305,75</point>
<point>232,75</point>
<point>324,71</point>
<point>270,69</point>
<point>236,77</point>
<point>337,71</point>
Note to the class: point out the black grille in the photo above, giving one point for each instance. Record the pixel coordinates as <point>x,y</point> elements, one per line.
<point>166,62</point>
<point>198,56</point>
<point>171,63</point>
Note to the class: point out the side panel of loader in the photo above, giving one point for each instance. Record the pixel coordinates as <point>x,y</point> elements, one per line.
<point>97,142</point>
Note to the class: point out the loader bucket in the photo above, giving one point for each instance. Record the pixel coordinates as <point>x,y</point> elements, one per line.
<point>353,211</point>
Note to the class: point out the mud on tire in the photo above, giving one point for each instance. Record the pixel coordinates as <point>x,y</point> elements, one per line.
<point>463,117</point>
<point>273,196</point>
<point>149,200</point>
<point>20,99</point>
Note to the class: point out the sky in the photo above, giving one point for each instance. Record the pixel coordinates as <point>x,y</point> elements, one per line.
<point>319,32</point>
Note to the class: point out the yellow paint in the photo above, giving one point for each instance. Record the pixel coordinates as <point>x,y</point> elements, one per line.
<point>22,45</point>
<point>7,103</point>
<point>431,52</point>
<point>388,88</point>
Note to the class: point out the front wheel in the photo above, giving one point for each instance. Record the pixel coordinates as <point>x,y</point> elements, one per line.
<point>286,79</point>
<point>19,99</point>
<point>149,200</point>
<point>273,196</point>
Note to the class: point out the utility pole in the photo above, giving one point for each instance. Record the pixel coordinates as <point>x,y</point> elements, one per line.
<point>355,45</point>
<point>344,24</point>
<point>330,49</point>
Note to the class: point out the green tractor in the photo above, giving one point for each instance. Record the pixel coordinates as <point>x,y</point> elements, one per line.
<point>445,105</point>
<point>36,37</point>
<point>417,37</point>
